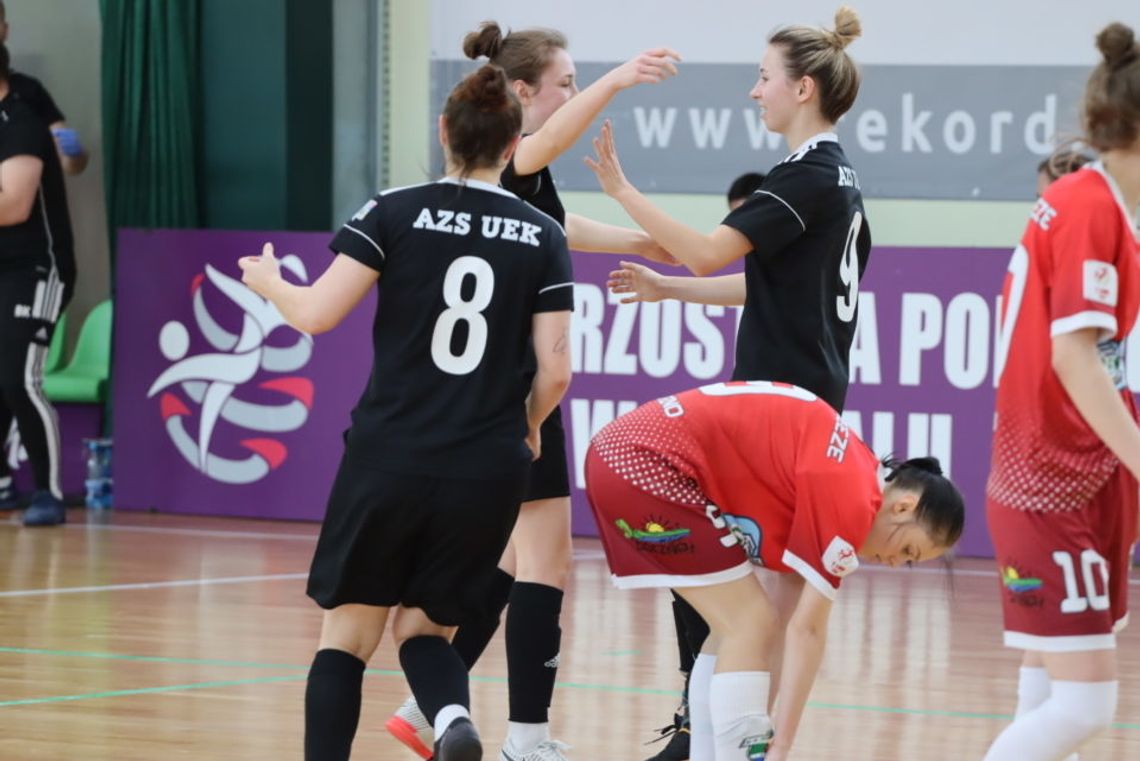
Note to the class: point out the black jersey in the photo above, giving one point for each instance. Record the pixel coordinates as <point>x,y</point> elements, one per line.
<point>536,189</point>
<point>44,238</point>
<point>810,243</point>
<point>31,91</point>
<point>463,267</point>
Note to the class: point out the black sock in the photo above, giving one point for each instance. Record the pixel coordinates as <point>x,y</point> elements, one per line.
<point>332,705</point>
<point>696,630</point>
<point>435,673</point>
<point>533,642</point>
<point>685,654</point>
<point>473,636</point>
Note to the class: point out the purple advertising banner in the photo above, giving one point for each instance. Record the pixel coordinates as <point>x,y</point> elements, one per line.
<point>222,409</point>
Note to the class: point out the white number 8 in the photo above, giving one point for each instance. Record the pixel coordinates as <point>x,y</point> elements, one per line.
<point>466,311</point>
<point>845,305</point>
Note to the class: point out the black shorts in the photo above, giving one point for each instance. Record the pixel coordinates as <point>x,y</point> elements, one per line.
<point>549,474</point>
<point>418,541</point>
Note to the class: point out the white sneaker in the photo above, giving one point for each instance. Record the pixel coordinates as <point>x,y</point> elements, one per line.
<point>547,750</point>
<point>409,726</point>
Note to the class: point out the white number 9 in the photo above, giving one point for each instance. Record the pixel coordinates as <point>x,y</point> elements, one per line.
<point>845,304</point>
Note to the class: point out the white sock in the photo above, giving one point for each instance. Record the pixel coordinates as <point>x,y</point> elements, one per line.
<point>701,744</point>
<point>5,482</point>
<point>526,737</point>
<point>447,715</point>
<point>1073,713</point>
<point>739,705</point>
<point>1033,689</point>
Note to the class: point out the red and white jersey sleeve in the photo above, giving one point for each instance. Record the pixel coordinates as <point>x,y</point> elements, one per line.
<point>837,497</point>
<point>1077,268</point>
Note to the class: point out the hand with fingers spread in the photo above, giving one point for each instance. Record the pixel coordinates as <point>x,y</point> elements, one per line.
<point>650,67</point>
<point>605,164</point>
<point>259,272</point>
<point>636,282</point>
<point>649,249</point>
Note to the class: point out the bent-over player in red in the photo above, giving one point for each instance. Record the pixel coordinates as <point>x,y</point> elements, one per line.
<point>691,491</point>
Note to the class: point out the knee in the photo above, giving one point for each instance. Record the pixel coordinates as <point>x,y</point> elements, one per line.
<point>1089,707</point>
<point>549,564</point>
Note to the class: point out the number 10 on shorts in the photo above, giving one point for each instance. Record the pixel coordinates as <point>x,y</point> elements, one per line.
<point>1093,567</point>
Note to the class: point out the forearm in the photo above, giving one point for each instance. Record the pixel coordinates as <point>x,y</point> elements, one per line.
<point>1089,386</point>
<point>585,234</point>
<point>726,290</point>
<point>689,246</point>
<point>803,652</point>
<point>13,210</point>
<point>546,392</point>
<point>297,305</point>
<point>564,127</point>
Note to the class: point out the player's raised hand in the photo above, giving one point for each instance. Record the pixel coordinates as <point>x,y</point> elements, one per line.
<point>649,67</point>
<point>605,164</point>
<point>259,272</point>
<point>636,282</point>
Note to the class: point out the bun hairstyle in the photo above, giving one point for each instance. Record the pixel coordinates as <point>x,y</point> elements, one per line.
<point>848,28</point>
<point>482,117</point>
<point>940,510</point>
<point>1111,109</point>
<point>523,55</point>
<point>821,54</point>
<point>1065,159</point>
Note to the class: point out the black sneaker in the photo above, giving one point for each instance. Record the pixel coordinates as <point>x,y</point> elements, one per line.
<point>9,498</point>
<point>459,743</point>
<point>677,749</point>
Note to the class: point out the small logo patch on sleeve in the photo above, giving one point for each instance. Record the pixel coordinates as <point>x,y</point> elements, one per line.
<point>839,558</point>
<point>363,212</point>
<point>1101,283</point>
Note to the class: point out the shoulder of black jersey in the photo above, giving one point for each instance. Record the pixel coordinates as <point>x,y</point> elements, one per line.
<point>402,188</point>
<point>542,217</point>
<point>19,81</point>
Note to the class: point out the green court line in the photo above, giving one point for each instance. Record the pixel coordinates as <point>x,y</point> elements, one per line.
<point>151,690</point>
<point>392,672</point>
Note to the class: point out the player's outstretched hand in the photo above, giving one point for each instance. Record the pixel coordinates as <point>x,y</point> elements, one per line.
<point>649,67</point>
<point>259,272</point>
<point>605,164</point>
<point>655,252</point>
<point>636,282</point>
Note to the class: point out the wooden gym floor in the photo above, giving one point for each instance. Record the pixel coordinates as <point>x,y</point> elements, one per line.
<point>163,637</point>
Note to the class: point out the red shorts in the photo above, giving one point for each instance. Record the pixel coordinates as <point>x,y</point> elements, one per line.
<point>1064,574</point>
<point>652,542</point>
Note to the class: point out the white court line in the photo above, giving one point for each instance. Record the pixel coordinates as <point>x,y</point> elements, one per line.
<point>153,585</point>
<point>214,533</point>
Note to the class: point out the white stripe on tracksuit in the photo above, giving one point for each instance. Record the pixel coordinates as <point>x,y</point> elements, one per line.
<point>33,383</point>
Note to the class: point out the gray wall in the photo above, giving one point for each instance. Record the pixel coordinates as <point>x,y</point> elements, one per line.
<point>58,41</point>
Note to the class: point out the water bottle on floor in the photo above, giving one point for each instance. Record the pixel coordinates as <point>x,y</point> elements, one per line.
<point>99,481</point>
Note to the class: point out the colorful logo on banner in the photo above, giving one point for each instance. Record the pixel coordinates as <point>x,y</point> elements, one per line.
<point>216,381</point>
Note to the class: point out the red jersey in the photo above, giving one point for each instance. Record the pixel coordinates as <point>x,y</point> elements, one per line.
<point>1076,268</point>
<point>777,463</point>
